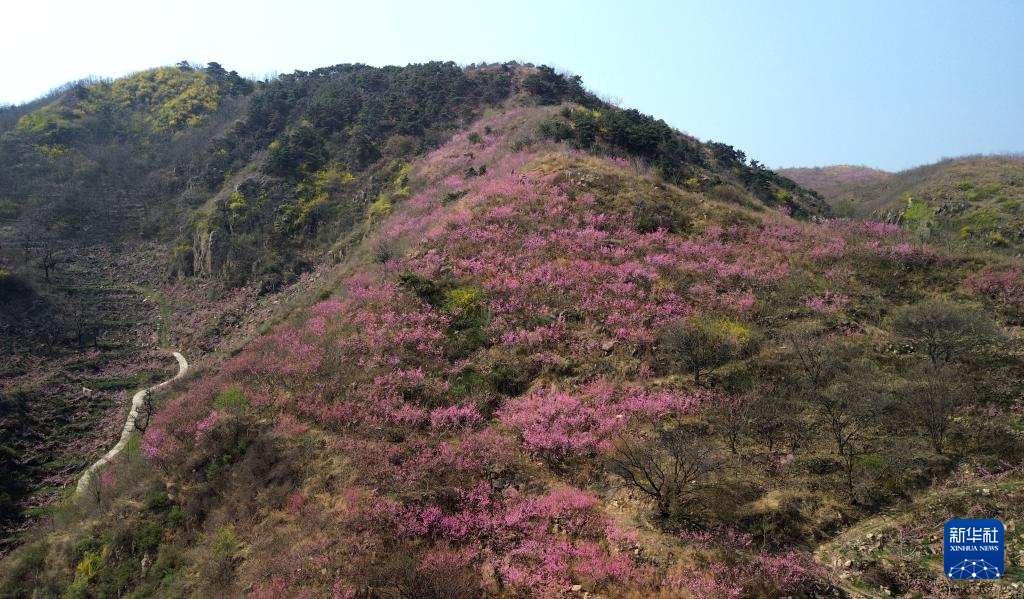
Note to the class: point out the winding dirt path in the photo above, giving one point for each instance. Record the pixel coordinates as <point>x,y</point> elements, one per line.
<point>834,553</point>
<point>129,425</point>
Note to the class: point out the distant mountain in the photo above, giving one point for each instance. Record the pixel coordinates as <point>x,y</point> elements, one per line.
<point>974,201</point>
<point>836,183</point>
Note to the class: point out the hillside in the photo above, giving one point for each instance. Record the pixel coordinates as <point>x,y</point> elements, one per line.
<point>839,184</point>
<point>169,207</point>
<point>122,227</point>
<point>970,202</point>
<point>524,343</point>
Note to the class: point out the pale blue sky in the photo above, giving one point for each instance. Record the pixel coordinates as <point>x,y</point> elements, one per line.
<point>890,84</point>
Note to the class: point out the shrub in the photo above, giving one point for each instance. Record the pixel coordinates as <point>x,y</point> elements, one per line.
<point>234,401</point>
<point>651,215</point>
<point>219,567</point>
<point>86,570</point>
<point>556,424</point>
<point>168,562</point>
<point>509,379</point>
<point>945,332</point>
<point>467,330</point>
<point>673,469</point>
<point>998,443</point>
<point>1003,288</point>
<point>379,209</point>
<point>978,224</point>
<point>828,303</point>
<point>919,219</point>
<point>9,209</point>
<point>22,569</point>
<point>539,545</point>
<point>149,536</point>
<point>700,345</point>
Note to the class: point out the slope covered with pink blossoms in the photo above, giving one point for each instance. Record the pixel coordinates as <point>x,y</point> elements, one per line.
<point>495,344</point>
<point>543,369</point>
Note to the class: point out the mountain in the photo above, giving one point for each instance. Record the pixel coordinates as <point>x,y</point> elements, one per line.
<point>462,332</point>
<point>168,206</point>
<point>837,184</point>
<point>974,201</point>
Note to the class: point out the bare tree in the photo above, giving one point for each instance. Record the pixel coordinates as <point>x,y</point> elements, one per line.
<point>834,378</point>
<point>696,347</point>
<point>730,414</point>
<point>850,410</point>
<point>821,377</point>
<point>773,418</point>
<point>53,331</point>
<point>931,400</point>
<point>819,360</point>
<point>50,260</point>
<point>673,469</point>
<point>83,321</point>
<point>945,332</point>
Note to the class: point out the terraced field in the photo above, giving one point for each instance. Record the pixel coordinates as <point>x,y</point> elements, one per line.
<point>63,397</point>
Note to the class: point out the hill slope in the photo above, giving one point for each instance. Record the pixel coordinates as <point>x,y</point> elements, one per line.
<point>837,184</point>
<point>975,201</point>
<point>567,351</point>
<point>165,207</point>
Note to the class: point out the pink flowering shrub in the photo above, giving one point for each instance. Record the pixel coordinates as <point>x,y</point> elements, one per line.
<point>879,229</point>
<point>827,303</point>
<point>296,501</point>
<point>541,544</point>
<point>1003,288</point>
<point>274,589</point>
<point>713,580</point>
<point>153,443</point>
<point>314,564</point>
<point>204,425</point>
<point>375,358</point>
<point>288,427</point>
<point>726,538</point>
<point>835,239</point>
<point>455,418</point>
<point>556,424</point>
<point>183,420</point>
<point>424,461</point>
<point>786,572</point>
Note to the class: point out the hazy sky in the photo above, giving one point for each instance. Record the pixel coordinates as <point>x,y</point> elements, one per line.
<point>889,84</point>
